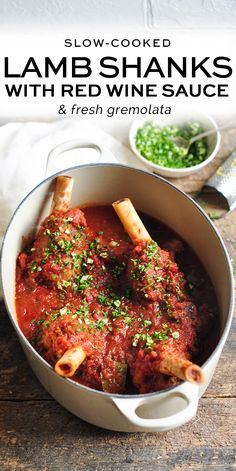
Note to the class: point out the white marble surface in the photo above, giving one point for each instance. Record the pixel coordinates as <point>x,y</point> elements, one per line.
<point>124,15</point>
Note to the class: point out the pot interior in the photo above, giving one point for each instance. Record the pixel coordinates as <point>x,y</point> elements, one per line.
<point>103,184</point>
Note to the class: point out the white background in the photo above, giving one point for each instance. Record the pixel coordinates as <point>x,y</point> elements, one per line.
<point>126,15</point>
<point>38,28</point>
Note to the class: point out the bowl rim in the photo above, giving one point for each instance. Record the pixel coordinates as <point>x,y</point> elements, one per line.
<point>170,170</point>
<point>28,345</point>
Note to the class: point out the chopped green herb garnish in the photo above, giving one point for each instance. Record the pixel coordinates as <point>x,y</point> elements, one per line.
<point>147,322</point>
<point>156,145</point>
<point>101,323</point>
<point>34,268</point>
<point>151,249</point>
<point>136,340</point>
<point>160,336</point>
<point>175,335</point>
<point>82,282</point>
<point>102,299</point>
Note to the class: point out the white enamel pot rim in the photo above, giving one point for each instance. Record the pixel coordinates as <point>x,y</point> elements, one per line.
<point>127,404</point>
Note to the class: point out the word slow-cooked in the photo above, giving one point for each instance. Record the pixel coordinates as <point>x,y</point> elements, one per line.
<point>106,304</point>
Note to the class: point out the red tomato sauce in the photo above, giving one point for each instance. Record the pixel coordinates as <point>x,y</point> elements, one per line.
<point>83,283</point>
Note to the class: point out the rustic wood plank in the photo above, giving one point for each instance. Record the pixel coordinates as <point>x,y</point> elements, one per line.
<point>223,383</point>
<point>43,436</point>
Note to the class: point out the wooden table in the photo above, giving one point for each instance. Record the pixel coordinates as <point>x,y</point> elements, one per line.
<point>37,434</point>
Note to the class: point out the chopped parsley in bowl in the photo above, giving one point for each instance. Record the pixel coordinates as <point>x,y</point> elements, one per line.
<point>155,144</point>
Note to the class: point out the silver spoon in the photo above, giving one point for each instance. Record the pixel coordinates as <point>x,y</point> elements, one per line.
<point>185,144</point>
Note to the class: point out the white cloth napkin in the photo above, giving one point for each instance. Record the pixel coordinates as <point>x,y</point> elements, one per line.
<point>24,148</point>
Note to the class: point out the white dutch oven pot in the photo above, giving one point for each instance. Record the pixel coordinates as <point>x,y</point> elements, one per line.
<point>105,183</point>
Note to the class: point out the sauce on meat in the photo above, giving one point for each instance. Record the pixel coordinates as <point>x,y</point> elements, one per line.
<point>83,283</point>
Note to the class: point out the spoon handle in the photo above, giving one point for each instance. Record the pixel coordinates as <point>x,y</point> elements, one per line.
<point>230,125</point>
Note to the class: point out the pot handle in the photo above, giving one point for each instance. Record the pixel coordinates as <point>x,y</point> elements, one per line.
<point>70,145</point>
<point>128,408</point>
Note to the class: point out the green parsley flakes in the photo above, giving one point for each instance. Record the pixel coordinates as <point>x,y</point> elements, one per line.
<point>156,145</point>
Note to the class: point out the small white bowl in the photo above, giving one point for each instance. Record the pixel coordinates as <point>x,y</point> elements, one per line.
<point>206,122</point>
